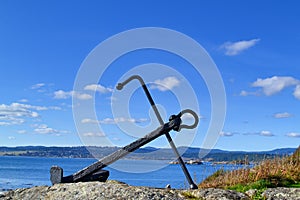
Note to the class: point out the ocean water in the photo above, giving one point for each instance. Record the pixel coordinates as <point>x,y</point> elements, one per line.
<point>24,172</point>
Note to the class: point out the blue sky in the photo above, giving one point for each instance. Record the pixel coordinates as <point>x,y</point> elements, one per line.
<point>254,44</point>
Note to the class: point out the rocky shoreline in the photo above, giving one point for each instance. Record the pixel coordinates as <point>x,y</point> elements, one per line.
<point>117,190</point>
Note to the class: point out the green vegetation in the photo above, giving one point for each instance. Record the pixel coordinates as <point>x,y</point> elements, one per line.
<point>277,172</point>
<point>260,186</point>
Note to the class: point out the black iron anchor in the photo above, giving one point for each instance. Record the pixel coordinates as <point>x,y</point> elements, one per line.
<point>94,172</point>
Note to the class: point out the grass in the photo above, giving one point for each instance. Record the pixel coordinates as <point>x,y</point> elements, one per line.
<point>277,172</point>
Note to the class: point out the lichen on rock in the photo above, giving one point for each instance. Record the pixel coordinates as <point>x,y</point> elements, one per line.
<point>282,193</point>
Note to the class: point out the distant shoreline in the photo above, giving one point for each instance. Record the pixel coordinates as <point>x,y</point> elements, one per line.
<point>147,153</point>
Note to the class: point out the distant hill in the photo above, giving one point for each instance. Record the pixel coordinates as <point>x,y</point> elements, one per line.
<point>143,153</point>
<point>283,151</point>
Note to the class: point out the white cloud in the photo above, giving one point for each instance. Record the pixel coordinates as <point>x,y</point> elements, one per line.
<point>27,106</point>
<point>39,108</point>
<point>251,133</point>
<point>60,94</point>
<point>297,92</point>
<point>165,84</point>
<point>261,133</point>
<point>5,123</point>
<point>275,84</point>
<point>122,119</point>
<point>245,93</point>
<point>282,115</point>
<point>266,133</point>
<point>293,134</point>
<point>98,88</point>
<point>113,121</point>
<point>23,100</point>
<point>82,96</point>
<point>226,134</point>
<point>91,134</point>
<point>116,139</point>
<point>235,48</point>
<point>11,138</point>
<point>89,121</point>
<point>54,108</point>
<point>189,116</point>
<point>20,106</point>
<point>16,113</point>
<point>44,129</point>
<point>37,86</point>
<point>21,131</point>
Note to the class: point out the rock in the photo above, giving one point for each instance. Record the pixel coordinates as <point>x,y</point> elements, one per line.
<point>91,190</point>
<point>251,193</point>
<point>281,193</point>
<point>218,194</point>
<point>36,193</point>
<point>120,191</point>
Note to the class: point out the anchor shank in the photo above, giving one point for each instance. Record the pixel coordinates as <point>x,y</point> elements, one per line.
<point>123,152</point>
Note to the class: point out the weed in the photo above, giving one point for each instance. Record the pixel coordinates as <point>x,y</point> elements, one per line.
<point>277,172</point>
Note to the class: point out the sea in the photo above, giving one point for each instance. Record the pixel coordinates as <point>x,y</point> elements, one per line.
<point>23,172</point>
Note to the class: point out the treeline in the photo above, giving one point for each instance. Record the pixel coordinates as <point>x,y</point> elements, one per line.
<point>144,153</point>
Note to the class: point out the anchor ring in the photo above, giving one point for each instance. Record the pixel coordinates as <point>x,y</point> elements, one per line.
<point>196,119</point>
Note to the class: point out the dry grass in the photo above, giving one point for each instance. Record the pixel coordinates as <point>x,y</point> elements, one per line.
<point>277,171</point>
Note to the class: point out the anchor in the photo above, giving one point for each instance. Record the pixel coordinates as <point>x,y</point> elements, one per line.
<point>95,171</point>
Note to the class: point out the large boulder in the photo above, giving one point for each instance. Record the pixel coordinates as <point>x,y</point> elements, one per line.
<point>218,194</point>
<point>90,190</point>
<point>281,193</point>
